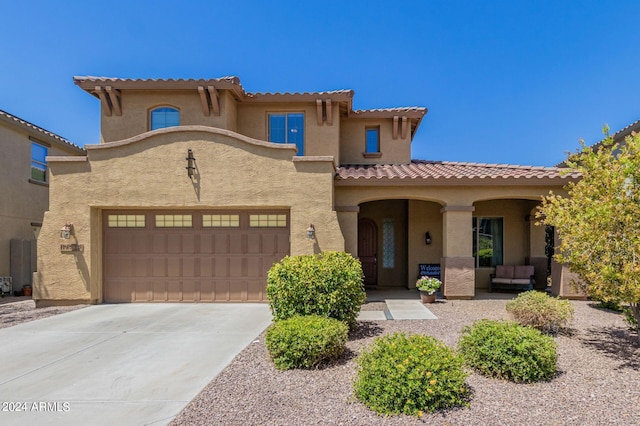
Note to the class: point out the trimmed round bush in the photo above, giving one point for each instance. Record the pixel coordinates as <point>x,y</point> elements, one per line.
<point>508,350</point>
<point>305,341</point>
<point>536,309</point>
<point>327,284</point>
<point>402,374</point>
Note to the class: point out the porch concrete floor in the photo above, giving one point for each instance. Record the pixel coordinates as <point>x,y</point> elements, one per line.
<point>403,303</point>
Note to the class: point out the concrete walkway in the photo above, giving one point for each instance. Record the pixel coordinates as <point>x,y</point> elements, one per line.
<point>401,304</point>
<point>133,364</point>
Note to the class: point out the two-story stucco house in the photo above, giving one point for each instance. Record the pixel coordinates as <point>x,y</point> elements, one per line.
<point>198,186</point>
<point>24,192</point>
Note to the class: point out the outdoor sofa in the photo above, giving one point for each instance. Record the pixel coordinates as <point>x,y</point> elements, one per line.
<point>510,277</point>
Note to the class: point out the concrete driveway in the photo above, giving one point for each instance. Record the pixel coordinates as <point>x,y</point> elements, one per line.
<point>133,364</point>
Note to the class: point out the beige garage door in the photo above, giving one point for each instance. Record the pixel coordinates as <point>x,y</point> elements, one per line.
<point>191,256</point>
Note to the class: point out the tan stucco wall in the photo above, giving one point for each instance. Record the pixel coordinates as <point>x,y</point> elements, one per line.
<point>232,171</point>
<point>423,216</point>
<point>318,139</point>
<point>23,202</point>
<point>396,210</point>
<point>352,137</point>
<point>137,104</point>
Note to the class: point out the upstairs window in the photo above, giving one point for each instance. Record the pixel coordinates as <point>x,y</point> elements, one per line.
<point>39,162</point>
<point>287,128</point>
<point>164,117</point>
<point>372,140</point>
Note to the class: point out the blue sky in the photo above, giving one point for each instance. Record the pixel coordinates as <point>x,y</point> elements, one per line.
<point>505,81</point>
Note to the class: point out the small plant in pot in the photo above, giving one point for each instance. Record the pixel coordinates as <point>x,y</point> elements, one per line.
<point>428,287</point>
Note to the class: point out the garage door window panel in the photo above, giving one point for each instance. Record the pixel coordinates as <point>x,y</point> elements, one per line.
<point>126,221</point>
<point>174,221</point>
<point>220,221</point>
<point>268,221</point>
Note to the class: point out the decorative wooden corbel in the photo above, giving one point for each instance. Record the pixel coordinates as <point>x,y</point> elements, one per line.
<point>395,127</point>
<point>204,101</point>
<point>405,122</point>
<point>103,101</point>
<point>114,98</point>
<point>215,101</point>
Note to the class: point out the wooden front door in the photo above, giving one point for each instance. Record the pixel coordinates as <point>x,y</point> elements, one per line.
<point>368,250</point>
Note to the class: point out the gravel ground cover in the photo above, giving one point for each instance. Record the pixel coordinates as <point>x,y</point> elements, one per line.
<point>598,380</point>
<point>17,310</point>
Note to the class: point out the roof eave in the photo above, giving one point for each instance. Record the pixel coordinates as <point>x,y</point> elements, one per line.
<point>88,84</point>
<point>477,181</point>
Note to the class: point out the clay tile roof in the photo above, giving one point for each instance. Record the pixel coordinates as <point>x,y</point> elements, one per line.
<point>30,126</point>
<point>324,93</point>
<point>450,171</point>
<point>399,109</point>
<point>94,79</point>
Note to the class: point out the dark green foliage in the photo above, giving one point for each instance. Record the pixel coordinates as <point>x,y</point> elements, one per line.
<point>305,341</point>
<point>536,309</point>
<point>402,374</point>
<point>508,350</point>
<point>328,284</point>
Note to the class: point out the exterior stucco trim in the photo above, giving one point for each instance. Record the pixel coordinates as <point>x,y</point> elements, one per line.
<point>66,159</point>
<point>457,209</point>
<point>314,159</point>
<point>195,129</point>
<point>348,209</point>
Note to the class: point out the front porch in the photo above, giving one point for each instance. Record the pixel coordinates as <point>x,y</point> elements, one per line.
<point>395,236</point>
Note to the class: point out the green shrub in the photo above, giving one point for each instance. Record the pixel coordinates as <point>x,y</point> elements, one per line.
<point>536,309</point>
<point>409,375</point>
<point>508,350</point>
<point>327,284</point>
<point>305,341</point>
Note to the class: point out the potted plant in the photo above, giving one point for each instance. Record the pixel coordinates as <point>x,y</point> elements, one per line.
<point>428,287</point>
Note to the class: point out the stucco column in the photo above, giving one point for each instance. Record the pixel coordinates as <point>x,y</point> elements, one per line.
<point>537,256</point>
<point>348,221</point>
<point>457,263</point>
<point>562,278</point>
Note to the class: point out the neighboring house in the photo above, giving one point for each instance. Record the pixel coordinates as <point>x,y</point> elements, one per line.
<point>198,186</point>
<point>24,192</point>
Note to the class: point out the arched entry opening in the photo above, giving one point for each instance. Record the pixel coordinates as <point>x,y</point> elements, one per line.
<point>392,241</point>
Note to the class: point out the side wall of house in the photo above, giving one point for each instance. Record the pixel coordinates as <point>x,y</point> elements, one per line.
<point>148,172</point>
<point>22,202</point>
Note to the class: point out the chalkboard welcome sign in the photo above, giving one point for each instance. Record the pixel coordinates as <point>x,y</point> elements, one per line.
<point>430,270</point>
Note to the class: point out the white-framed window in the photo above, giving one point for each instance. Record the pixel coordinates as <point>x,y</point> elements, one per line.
<point>488,241</point>
<point>39,154</point>
<point>164,117</point>
<point>287,127</point>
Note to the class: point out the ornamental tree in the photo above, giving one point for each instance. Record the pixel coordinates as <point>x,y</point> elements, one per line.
<point>598,222</point>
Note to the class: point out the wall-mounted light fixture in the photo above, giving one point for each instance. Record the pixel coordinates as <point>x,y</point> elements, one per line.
<point>65,231</point>
<point>191,164</point>
<point>311,231</point>
<point>427,238</point>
